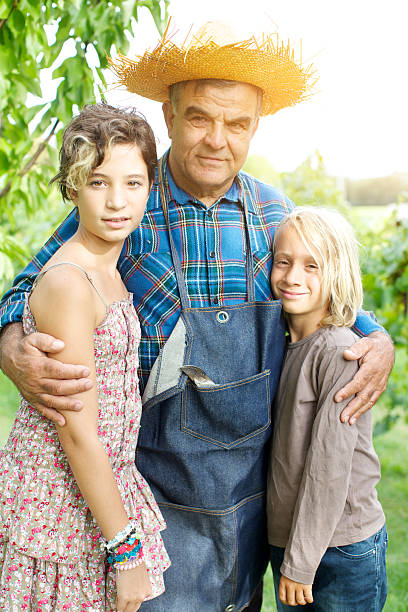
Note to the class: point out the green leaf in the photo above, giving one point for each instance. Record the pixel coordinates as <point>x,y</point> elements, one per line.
<point>4,87</point>
<point>4,9</point>
<point>17,20</point>
<point>127,10</point>
<point>5,66</point>
<point>4,162</point>
<point>31,85</point>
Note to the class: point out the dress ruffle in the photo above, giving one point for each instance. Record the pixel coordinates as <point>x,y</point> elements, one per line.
<point>44,520</point>
<point>44,515</point>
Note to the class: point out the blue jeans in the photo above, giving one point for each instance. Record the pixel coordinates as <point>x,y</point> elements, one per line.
<point>349,578</point>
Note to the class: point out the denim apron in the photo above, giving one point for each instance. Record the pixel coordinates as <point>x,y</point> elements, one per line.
<point>203,442</point>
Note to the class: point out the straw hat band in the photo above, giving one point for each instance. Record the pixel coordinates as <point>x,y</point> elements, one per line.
<point>270,66</point>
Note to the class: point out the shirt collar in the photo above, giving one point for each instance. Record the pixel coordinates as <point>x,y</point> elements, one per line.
<point>182,197</point>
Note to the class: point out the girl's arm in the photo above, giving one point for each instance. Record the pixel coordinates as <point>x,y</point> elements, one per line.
<point>66,306</point>
<point>326,475</point>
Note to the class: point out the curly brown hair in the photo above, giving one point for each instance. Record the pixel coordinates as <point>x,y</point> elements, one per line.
<point>91,134</point>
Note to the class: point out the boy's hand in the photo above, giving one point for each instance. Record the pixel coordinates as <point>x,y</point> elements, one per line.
<point>294,593</point>
<point>376,358</point>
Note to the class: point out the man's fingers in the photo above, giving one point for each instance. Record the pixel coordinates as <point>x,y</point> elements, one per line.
<point>360,381</point>
<point>358,350</point>
<point>51,368</point>
<point>358,406</point>
<point>44,342</point>
<point>64,387</point>
<point>364,400</point>
<point>62,403</point>
<point>52,415</point>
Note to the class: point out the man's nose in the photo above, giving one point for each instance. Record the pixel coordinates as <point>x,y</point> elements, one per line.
<point>215,136</point>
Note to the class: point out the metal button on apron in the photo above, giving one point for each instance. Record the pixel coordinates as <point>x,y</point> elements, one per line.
<point>222,316</point>
<point>230,608</point>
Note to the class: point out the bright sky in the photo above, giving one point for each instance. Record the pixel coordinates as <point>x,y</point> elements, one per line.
<point>358,118</point>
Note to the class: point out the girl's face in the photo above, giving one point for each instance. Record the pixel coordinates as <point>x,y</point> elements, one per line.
<point>112,203</point>
<point>296,280</point>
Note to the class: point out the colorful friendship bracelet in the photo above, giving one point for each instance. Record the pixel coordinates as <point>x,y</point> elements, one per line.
<point>127,554</point>
<point>121,537</point>
<point>124,552</point>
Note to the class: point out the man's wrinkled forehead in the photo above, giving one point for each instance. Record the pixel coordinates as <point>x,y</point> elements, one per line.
<point>198,87</point>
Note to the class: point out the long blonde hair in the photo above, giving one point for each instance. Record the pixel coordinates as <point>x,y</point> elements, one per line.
<point>331,241</point>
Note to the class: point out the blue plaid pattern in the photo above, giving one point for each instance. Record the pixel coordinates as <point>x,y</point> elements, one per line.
<point>211,245</point>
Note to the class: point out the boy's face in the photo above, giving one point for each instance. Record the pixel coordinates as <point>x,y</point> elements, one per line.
<point>296,280</point>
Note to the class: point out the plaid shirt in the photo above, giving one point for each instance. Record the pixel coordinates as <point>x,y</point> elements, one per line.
<point>211,244</point>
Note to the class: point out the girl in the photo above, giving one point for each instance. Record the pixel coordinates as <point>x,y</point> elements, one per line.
<point>79,527</point>
<point>326,526</point>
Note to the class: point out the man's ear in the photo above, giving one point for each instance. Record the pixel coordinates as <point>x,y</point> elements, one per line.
<point>169,115</point>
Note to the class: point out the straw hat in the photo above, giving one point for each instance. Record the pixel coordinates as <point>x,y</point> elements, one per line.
<point>214,53</point>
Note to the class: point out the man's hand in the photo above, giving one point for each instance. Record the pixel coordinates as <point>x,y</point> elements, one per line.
<point>44,382</point>
<point>294,593</point>
<point>376,358</point>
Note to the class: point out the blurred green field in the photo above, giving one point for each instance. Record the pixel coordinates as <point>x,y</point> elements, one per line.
<point>392,449</point>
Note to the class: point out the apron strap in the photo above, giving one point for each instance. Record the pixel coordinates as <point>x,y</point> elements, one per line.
<point>249,264</point>
<point>165,197</point>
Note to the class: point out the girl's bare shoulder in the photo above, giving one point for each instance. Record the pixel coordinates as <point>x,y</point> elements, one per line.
<point>63,290</point>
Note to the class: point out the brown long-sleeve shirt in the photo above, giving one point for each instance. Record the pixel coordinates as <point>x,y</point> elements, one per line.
<point>322,473</point>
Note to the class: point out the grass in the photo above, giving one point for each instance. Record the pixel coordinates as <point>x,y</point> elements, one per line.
<point>392,449</point>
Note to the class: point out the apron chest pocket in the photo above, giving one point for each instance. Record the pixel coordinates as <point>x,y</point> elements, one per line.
<point>229,414</point>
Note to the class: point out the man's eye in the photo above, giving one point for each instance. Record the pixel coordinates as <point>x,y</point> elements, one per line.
<point>198,120</point>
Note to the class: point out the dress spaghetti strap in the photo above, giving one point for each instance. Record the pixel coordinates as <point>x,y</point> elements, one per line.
<point>69,263</point>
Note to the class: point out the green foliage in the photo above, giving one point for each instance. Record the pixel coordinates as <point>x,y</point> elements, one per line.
<point>377,191</point>
<point>308,185</point>
<point>384,264</point>
<point>32,37</point>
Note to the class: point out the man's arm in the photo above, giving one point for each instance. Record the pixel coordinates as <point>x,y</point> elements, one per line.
<point>44,382</point>
<point>41,380</point>
<point>375,354</point>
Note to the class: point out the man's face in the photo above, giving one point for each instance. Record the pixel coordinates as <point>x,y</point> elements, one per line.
<point>211,128</point>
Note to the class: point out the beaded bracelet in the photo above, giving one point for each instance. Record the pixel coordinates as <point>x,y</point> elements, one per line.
<point>129,565</point>
<point>121,536</point>
<point>129,551</point>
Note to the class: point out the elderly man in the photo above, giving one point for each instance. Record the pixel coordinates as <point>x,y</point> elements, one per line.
<point>213,337</point>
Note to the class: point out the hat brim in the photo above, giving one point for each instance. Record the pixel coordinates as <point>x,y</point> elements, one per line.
<point>270,66</point>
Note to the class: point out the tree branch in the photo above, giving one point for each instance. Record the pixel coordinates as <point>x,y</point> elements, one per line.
<point>31,161</point>
<point>13,8</point>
